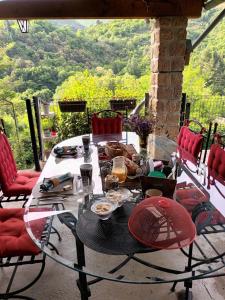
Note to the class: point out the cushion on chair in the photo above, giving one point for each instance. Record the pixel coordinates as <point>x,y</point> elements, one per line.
<point>189,196</point>
<point>8,169</point>
<point>190,141</point>
<point>14,239</point>
<point>14,183</point>
<point>106,125</point>
<point>23,183</point>
<point>216,162</point>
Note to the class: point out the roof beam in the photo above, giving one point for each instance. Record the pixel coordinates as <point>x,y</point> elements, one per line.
<point>84,9</point>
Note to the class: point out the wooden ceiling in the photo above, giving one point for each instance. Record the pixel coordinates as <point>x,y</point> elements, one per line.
<point>97,9</point>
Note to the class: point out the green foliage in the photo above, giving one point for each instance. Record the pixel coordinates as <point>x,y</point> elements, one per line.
<point>97,63</point>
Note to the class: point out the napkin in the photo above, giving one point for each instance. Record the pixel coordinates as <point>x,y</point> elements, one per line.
<point>52,182</point>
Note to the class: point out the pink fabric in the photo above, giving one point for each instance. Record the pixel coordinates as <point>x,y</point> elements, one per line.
<point>190,141</point>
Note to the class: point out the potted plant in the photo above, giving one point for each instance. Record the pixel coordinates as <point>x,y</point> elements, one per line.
<point>45,105</point>
<point>122,104</point>
<point>47,126</point>
<point>48,148</point>
<point>72,105</point>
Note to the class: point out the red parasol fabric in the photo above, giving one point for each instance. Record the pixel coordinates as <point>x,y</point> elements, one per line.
<point>162,223</point>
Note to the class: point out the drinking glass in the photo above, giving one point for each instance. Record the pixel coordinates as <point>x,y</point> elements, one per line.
<point>86,171</point>
<point>86,142</point>
<point>119,168</point>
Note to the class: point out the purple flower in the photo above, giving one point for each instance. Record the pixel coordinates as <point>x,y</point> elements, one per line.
<point>143,127</point>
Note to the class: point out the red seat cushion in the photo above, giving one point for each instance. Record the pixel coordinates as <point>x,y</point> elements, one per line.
<point>190,141</point>
<point>14,239</point>
<point>216,162</point>
<point>190,197</point>
<point>23,183</point>
<point>106,125</point>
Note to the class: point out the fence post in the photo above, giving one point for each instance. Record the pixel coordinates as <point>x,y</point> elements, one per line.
<point>187,111</point>
<point>2,126</point>
<point>38,124</point>
<point>32,134</point>
<point>146,103</point>
<point>182,109</point>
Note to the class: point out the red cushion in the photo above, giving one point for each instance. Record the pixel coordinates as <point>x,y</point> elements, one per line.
<point>106,125</point>
<point>215,218</point>
<point>216,162</point>
<point>190,141</point>
<point>14,239</point>
<point>8,169</point>
<point>189,196</point>
<point>23,183</point>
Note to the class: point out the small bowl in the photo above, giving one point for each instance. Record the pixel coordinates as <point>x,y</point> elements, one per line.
<point>119,196</point>
<point>103,208</point>
<point>153,192</point>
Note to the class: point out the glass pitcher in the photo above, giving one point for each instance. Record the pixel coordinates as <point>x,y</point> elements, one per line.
<point>119,168</point>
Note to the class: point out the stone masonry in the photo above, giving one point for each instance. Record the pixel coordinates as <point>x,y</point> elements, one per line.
<point>168,45</point>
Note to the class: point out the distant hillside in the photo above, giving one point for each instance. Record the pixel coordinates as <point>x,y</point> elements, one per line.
<point>72,23</point>
<point>41,60</point>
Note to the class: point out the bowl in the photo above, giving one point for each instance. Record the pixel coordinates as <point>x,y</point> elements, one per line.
<point>119,196</point>
<point>153,192</point>
<point>103,208</point>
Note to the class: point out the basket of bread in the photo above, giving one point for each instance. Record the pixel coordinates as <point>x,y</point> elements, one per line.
<point>114,149</point>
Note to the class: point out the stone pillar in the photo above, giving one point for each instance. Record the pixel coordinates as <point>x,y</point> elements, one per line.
<point>168,45</point>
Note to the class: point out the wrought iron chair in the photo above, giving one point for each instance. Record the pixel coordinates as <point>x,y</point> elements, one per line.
<point>17,249</point>
<point>208,220</point>
<point>191,143</point>
<point>15,185</point>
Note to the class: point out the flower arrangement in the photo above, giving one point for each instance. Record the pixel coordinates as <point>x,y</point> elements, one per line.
<point>142,126</point>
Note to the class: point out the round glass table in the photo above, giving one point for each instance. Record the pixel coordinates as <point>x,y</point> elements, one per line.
<point>99,249</point>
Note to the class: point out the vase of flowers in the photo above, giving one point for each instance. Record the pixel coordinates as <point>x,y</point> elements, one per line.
<point>142,126</point>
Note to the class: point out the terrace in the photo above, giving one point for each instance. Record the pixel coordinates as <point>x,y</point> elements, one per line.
<point>165,101</point>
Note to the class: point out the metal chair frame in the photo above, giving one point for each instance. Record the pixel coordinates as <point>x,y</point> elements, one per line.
<point>17,261</point>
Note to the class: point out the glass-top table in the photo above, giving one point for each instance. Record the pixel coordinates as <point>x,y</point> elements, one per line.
<point>112,254</point>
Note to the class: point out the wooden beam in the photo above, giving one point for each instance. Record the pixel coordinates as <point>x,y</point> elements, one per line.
<point>97,9</point>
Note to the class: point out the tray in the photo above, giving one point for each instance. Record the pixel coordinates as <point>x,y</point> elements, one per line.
<point>70,151</point>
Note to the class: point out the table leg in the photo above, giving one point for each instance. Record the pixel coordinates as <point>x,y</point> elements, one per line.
<point>188,283</point>
<point>82,281</point>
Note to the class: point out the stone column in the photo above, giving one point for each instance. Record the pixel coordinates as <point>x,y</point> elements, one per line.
<point>168,45</point>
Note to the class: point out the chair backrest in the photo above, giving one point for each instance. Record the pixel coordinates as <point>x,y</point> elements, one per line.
<point>8,168</point>
<point>190,141</point>
<point>107,125</point>
<point>216,163</point>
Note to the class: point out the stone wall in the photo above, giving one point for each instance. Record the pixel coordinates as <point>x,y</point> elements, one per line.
<point>168,45</point>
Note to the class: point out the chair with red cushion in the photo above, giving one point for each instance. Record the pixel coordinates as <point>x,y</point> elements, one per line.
<point>17,248</point>
<point>216,161</point>
<point>190,143</point>
<point>15,185</point>
<point>106,125</point>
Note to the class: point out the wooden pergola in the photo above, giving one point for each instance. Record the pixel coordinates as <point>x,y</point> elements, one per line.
<point>33,9</point>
